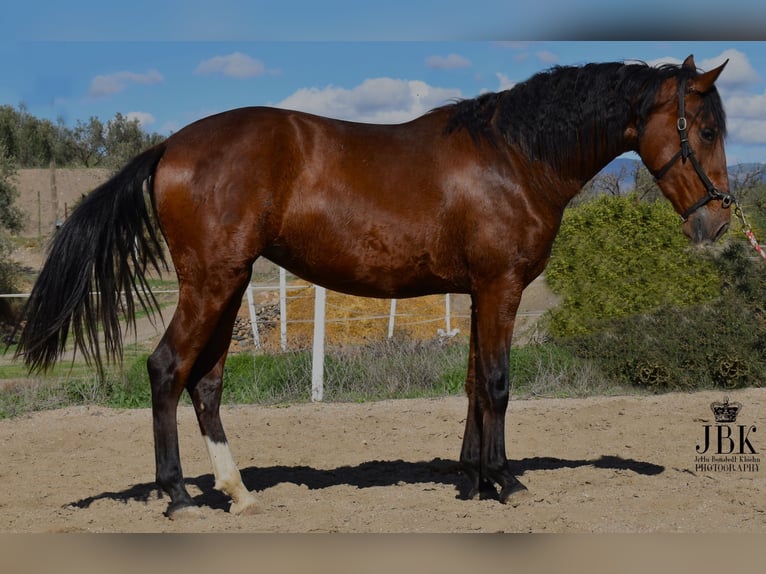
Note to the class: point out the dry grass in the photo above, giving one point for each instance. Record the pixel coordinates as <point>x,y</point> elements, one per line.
<point>359,320</point>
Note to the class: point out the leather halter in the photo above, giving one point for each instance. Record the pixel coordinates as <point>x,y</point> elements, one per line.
<point>685,153</point>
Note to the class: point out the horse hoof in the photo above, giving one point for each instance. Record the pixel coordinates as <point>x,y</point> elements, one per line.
<point>481,490</point>
<point>487,491</point>
<point>184,513</point>
<point>514,488</point>
<point>247,508</point>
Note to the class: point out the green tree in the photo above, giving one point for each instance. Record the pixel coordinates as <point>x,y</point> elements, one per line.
<point>124,139</point>
<point>9,127</point>
<point>35,140</point>
<point>644,185</point>
<point>32,142</point>
<point>11,217</point>
<point>618,256</point>
<point>603,183</point>
<point>89,142</point>
<point>11,221</point>
<point>748,184</point>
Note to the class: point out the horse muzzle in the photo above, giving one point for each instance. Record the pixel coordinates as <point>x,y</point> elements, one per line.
<point>707,225</point>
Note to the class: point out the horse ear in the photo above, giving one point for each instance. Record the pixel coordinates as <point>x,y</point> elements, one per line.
<point>704,82</point>
<point>689,63</point>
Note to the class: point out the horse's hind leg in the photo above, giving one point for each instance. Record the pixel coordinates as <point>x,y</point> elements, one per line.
<point>191,355</point>
<point>166,391</point>
<point>206,397</point>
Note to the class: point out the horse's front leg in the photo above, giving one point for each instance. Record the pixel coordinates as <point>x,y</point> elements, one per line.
<point>494,312</point>
<point>470,453</point>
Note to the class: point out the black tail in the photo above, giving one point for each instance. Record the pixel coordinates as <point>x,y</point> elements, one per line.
<point>104,247</point>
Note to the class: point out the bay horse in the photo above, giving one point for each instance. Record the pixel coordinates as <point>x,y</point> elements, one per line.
<point>465,199</point>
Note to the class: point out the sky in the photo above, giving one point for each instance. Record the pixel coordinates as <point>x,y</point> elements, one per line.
<point>170,63</point>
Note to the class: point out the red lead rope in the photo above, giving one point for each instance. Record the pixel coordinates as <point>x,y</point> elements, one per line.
<point>748,230</point>
<point>754,243</point>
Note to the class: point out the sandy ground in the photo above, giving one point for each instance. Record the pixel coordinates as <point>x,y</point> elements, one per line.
<point>618,464</point>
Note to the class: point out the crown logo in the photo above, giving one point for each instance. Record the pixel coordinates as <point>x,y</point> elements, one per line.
<point>725,412</point>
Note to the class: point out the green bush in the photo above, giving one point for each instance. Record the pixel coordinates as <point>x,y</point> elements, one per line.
<point>678,349</point>
<point>718,344</point>
<point>618,256</point>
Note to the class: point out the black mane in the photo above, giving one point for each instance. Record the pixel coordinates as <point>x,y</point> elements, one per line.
<point>567,113</point>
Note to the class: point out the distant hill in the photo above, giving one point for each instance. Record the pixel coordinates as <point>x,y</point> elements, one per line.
<point>628,165</point>
<point>748,168</point>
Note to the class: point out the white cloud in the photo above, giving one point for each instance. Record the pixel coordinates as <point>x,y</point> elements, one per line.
<point>746,106</point>
<point>450,62</point>
<point>738,71</point>
<point>546,57</point>
<point>376,100</point>
<point>660,61</point>
<point>745,111</point>
<point>110,84</point>
<point>746,115</point>
<point>235,65</point>
<point>747,131</point>
<point>521,57</point>
<point>145,119</point>
<point>505,82</point>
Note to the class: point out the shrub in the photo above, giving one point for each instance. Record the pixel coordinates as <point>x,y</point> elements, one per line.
<point>618,256</point>
<point>718,344</point>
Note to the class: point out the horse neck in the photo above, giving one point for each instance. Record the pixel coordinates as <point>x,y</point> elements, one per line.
<point>584,156</point>
<point>574,120</point>
<point>589,168</point>
<point>561,182</point>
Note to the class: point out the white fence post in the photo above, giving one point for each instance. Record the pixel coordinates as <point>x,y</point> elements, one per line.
<point>253,317</point>
<point>317,354</point>
<point>447,331</point>
<point>391,319</point>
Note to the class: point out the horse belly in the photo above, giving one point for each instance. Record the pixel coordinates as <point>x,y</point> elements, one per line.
<point>392,265</point>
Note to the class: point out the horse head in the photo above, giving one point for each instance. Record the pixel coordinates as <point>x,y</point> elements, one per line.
<point>682,144</point>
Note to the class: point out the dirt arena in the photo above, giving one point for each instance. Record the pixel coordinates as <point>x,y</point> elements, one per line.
<point>618,464</point>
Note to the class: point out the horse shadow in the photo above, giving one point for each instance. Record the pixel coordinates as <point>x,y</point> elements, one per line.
<point>365,475</point>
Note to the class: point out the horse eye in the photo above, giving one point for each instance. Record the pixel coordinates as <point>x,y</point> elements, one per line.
<point>708,134</point>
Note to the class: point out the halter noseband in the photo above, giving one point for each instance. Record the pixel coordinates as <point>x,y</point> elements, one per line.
<point>685,153</point>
